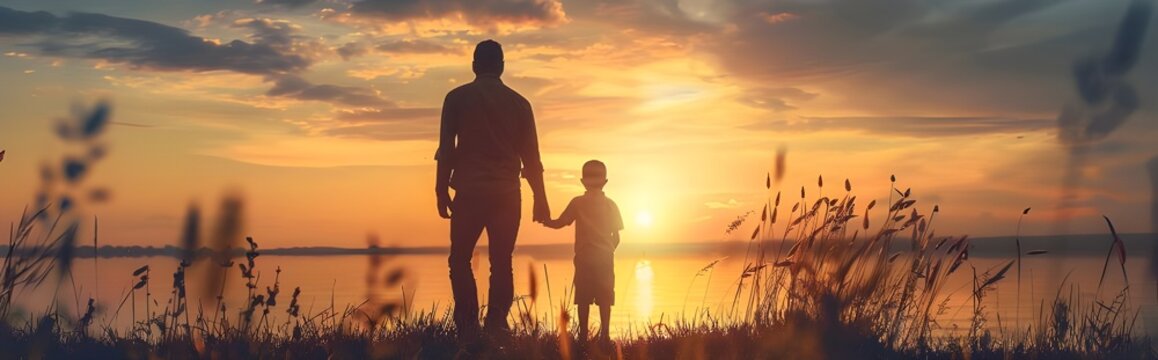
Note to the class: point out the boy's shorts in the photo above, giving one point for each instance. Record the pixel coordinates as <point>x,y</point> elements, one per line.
<point>595,280</point>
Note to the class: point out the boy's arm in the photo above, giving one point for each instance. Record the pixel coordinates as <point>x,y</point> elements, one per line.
<point>554,223</point>
<point>566,218</point>
<point>618,223</point>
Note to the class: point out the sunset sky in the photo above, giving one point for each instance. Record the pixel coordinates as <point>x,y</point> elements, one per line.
<point>324,113</point>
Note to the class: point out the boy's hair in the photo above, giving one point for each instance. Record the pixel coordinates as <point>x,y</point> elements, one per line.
<point>594,174</point>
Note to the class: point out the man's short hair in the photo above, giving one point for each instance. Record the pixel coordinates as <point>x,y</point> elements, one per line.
<point>488,52</point>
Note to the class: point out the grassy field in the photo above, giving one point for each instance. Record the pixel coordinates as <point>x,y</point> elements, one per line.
<point>821,282</point>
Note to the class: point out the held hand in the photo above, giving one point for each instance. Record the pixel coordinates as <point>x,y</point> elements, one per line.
<point>553,224</point>
<point>445,205</point>
<point>541,212</point>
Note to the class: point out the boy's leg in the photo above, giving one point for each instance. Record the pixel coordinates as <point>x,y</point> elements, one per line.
<point>584,311</point>
<point>605,321</point>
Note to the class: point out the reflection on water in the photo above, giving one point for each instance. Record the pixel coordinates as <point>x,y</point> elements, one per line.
<point>647,288</point>
<point>643,296</point>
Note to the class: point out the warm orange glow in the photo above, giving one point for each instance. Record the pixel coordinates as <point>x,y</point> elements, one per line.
<point>687,134</point>
<point>644,219</point>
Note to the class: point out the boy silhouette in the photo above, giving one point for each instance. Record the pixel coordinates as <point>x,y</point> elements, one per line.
<point>597,225</point>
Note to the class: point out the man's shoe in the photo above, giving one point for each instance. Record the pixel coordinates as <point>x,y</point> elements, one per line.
<point>497,336</point>
<point>490,326</point>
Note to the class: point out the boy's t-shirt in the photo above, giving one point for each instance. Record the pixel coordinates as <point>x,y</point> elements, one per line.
<point>597,222</point>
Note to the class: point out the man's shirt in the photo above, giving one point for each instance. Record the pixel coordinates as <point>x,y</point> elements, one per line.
<point>496,137</point>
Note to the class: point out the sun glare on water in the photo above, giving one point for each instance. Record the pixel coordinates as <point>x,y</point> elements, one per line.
<point>644,302</point>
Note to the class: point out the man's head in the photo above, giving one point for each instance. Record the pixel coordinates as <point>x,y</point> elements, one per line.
<point>594,175</point>
<point>488,58</point>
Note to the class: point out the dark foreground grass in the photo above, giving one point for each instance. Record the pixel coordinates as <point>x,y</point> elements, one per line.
<point>435,341</point>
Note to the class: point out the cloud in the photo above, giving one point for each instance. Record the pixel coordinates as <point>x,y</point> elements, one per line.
<point>822,38</point>
<point>1106,99</point>
<point>730,204</point>
<point>843,36</point>
<point>917,126</point>
<point>21,22</point>
<point>295,87</point>
<point>275,33</point>
<point>776,99</point>
<point>394,47</point>
<point>286,3</point>
<point>475,12</point>
<point>151,45</point>
<point>350,50</point>
<point>275,50</point>
<point>387,124</point>
<point>677,18</point>
<point>415,47</point>
<point>996,57</point>
<point>383,132</point>
<point>132,124</point>
<point>390,115</point>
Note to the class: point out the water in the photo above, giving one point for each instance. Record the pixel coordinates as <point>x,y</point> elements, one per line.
<point>649,288</point>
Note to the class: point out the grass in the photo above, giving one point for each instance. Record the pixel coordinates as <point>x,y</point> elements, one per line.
<point>820,281</point>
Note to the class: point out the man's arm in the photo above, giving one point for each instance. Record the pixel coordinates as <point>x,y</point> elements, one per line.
<point>533,166</point>
<point>565,219</point>
<point>541,209</point>
<point>445,157</point>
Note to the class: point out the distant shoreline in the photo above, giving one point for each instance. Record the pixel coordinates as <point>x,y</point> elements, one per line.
<point>1139,244</point>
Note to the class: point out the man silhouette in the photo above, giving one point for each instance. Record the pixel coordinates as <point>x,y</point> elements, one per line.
<point>496,140</point>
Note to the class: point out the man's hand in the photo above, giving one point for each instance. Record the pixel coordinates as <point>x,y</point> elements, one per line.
<point>541,212</point>
<point>445,205</point>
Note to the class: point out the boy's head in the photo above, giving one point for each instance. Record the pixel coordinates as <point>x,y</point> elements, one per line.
<point>594,175</point>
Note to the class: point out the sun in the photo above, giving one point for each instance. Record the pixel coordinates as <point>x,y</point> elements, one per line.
<point>644,219</point>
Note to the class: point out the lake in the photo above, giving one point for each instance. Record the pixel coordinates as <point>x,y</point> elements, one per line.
<point>651,286</point>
